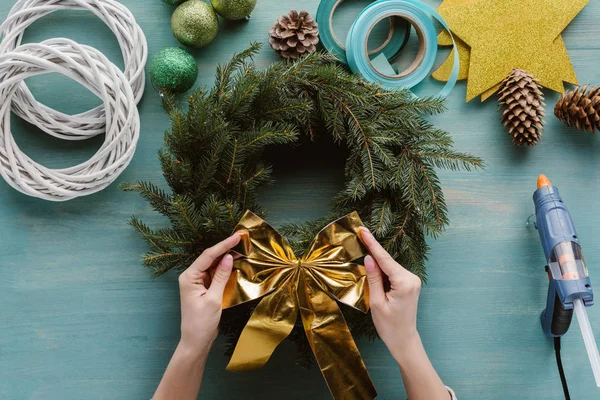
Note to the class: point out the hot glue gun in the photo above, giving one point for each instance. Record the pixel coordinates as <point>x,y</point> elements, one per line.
<point>569,283</point>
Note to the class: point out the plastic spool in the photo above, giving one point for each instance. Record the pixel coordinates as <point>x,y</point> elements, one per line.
<point>419,15</point>
<point>93,70</point>
<point>397,36</point>
<point>134,49</point>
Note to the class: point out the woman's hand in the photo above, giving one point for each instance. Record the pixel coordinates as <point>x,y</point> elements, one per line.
<point>201,304</point>
<point>395,317</point>
<point>394,312</point>
<point>202,296</point>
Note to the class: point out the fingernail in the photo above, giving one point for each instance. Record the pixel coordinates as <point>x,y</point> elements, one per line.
<point>364,230</point>
<point>369,263</point>
<point>227,262</point>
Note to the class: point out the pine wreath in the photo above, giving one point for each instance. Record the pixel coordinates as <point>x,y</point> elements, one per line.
<point>213,163</point>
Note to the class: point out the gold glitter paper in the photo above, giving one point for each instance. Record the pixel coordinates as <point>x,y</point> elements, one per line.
<point>444,39</point>
<point>490,92</point>
<point>507,34</point>
<point>464,54</point>
<point>308,286</point>
<point>445,70</point>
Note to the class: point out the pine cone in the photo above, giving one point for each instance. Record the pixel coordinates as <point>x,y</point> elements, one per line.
<point>294,35</point>
<point>580,108</point>
<point>523,103</point>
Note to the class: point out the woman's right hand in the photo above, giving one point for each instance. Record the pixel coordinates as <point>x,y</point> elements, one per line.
<point>395,311</point>
<point>395,317</point>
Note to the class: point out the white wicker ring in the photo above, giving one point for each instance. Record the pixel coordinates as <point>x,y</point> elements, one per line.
<point>133,45</point>
<point>93,70</point>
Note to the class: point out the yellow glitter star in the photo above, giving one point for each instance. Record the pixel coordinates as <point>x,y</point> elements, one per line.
<point>444,39</point>
<point>507,34</point>
<point>464,54</point>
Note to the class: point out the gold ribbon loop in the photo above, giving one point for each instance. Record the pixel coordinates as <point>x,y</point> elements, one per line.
<point>268,267</point>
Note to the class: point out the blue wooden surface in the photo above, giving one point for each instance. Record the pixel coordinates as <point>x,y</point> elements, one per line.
<point>81,319</point>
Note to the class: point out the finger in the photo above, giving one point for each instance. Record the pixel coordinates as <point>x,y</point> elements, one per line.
<point>375,279</point>
<point>222,274</point>
<point>388,265</point>
<point>210,255</point>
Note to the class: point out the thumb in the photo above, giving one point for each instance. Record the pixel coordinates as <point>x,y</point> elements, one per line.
<point>221,277</point>
<point>375,280</point>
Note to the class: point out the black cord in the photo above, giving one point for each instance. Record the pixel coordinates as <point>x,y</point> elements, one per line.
<point>561,371</point>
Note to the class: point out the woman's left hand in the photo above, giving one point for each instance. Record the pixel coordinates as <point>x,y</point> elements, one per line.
<point>201,299</point>
<point>202,295</point>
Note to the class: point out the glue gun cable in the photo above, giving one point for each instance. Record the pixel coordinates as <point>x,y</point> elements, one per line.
<point>561,371</point>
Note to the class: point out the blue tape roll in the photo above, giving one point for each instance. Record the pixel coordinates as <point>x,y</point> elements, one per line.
<point>420,16</point>
<point>399,33</point>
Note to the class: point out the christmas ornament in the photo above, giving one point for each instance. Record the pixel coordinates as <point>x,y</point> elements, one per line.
<point>506,34</point>
<point>257,108</point>
<point>580,108</point>
<point>195,23</point>
<point>233,9</point>
<point>173,2</point>
<point>133,46</point>
<point>93,70</point>
<point>173,69</point>
<point>307,287</point>
<point>294,35</point>
<point>522,103</point>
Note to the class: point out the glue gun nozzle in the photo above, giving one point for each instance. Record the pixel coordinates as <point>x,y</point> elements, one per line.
<point>543,181</point>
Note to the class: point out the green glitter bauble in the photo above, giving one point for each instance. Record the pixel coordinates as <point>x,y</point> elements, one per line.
<point>233,9</point>
<point>173,69</point>
<point>195,23</point>
<point>173,2</point>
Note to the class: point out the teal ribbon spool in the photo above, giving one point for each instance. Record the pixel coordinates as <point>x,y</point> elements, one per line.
<point>397,37</point>
<point>378,70</point>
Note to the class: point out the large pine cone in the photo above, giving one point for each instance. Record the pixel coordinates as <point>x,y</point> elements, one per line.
<point>294,35</point>
<point>523,103</point>
<point>580,108</point>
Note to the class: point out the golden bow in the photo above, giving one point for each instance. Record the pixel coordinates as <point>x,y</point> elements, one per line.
<point>311,285</point>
